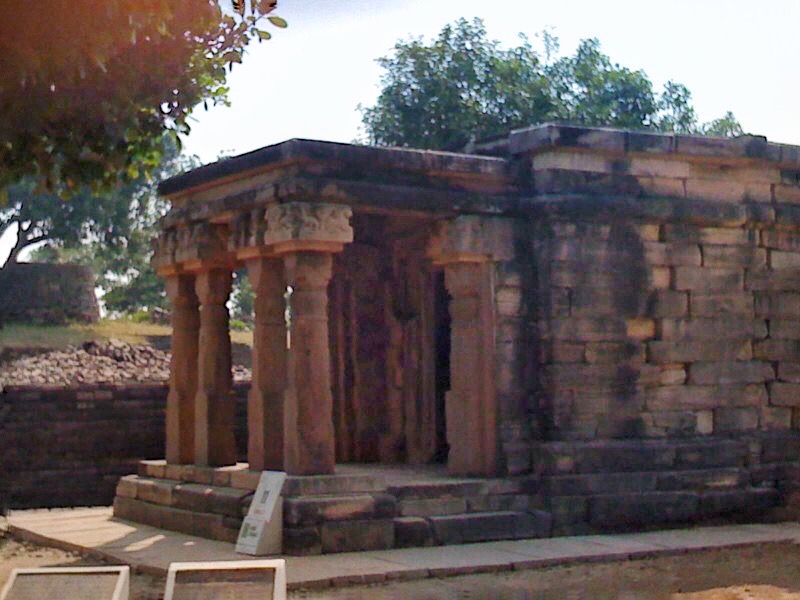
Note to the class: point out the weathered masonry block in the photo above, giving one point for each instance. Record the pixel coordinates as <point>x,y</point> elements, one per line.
<point>572,305</point>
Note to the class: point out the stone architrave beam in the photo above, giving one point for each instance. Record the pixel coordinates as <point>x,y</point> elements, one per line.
<point>466,247</point>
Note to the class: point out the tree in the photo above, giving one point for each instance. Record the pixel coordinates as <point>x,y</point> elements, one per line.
<point>111,233</point>
<point>87,100</point>
<point>463,86</point>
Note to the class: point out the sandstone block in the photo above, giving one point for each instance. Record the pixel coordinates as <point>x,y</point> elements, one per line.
<point>706,278</point>
<point>781,280</point>
<point>312,485</point>
<point>604,302</point>
<point>126,486</point>
<point>432,506</point>
<point>193,496</point>
<point>355,536</point>
<point>614,352</point>
<point>640,329</point>
<point>662,186</point>
<point>777,305</point>
<point>509,301</point>
<point>155,491</point>
<point>700,397</point>
<point>721,304</point>
<point>789,372</point>
<point>613,456</point>
<point>710,373</point>
<point>777,350</point>
<point>788,194</point>
<point>639,509</point>
<point>703,479</point>
<point>513,502</point>
<point>460,489</point>
<point>672,254</point>
<point>784,260</point>
<point>584,330</point>
<point>301,541</point>
<point>728,420</point>
<point>660,278</point>
<point>781,239</point>
<point>659,167</point>
<point>680,351</point>
<point>672,376</point>
<point>600,483</point>
<point>649,232</point>
<point>481,527</point>
<point>705,422</point>
<point>566,511</point>
<point>561,352</point>
<point>723,190</point>
<point>734,256</point>
<point>711,454</point>
<point>784,394</point>
<point>710,235</point>
<point>412,532</point>
<point>782,329</point>
<point>311,510</point>
<point>752,502</point>
<point>153,468</point>
<point>774,418</point>
<point>725,328</point>
<point>668,304</point>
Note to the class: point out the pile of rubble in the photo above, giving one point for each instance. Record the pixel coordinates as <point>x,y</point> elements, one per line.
<point>111,361</point>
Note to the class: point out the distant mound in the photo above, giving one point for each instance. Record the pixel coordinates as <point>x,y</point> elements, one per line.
<point>111,361</point>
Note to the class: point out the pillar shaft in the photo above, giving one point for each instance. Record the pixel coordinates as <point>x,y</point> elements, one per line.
<point>470,406</point>
<point>265,411</point>
<point>309,442</point>
<point>214,404</point>
<point>183,369</point>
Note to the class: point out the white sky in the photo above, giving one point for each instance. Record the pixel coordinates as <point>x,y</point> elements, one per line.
<point>735,55</point>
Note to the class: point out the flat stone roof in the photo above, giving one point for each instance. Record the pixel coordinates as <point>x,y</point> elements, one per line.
<point>347,156</point>
<point>540,138</point>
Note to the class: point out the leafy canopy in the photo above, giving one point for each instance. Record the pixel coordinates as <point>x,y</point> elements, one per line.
<point>463,86</point>
<point>89,86</point>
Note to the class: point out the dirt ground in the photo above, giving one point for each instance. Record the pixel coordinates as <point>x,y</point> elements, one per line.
<point>768,572</point>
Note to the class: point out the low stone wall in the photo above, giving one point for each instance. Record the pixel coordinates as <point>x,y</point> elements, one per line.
<point>69,446</point>
<point>47,293</point>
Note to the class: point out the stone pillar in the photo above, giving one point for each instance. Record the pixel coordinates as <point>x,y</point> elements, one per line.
<point>265,411</point>
<point>467,247</point>
<point>183,369</point>
<point>214,442</point>
<point>306,236</point>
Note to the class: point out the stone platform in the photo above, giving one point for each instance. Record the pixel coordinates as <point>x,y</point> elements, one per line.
<point>146,549</point>
<point>361,507</point>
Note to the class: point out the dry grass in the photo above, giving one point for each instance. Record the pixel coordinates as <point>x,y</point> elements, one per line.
<point>22,336</point>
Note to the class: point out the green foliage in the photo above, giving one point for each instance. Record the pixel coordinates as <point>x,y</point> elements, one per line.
<point>90,86</point>
<point>239,325</point>
<point>243,298</point>
<point>463,86</point>
<point>111,233</point>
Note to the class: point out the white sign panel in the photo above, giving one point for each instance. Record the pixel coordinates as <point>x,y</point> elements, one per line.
<point>68,583</point>
<point>239,580</point>
<point>262,528</point>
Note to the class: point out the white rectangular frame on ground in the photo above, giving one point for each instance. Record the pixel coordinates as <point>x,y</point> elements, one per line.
<point>121,589</point>
<point>277,564</point>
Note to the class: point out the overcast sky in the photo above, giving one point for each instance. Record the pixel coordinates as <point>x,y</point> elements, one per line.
<point>307,81</point>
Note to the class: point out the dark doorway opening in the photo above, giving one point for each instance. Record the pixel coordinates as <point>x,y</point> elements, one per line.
<point>442,357</point>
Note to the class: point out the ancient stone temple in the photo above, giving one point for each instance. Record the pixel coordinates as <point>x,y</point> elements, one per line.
<point>568,330</point>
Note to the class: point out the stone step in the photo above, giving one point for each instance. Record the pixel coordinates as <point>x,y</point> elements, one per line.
<point>207,525</point>
<point>490,526</point>
<point>614,512</point>
<point>311,510</point>
<point>194,497</point>
<point>439,489</point>
<point>648,481</point>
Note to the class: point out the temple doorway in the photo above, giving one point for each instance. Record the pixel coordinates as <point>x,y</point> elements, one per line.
<point>390,345</point>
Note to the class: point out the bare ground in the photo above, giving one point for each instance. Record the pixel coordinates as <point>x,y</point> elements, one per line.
<point>768,572</point>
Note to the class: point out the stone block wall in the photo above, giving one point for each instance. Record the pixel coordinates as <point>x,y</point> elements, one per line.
<point>47,293</point>
<point>666,303</point>
<point>69,446</point>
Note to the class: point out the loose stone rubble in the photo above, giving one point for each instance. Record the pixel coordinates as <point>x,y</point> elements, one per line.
<point>111,361</point>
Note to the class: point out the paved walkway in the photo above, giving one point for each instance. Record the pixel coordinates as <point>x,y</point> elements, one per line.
<point>95,532</point>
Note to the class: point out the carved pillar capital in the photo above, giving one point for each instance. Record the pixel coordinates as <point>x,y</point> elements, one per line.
<point>247,231</point>
<point>306,226</point>
<point>202,246</point>
<point>472,238</point>
<point>164,247</point>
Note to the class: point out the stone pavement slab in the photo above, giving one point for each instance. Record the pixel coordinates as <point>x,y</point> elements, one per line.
<point>94,531</point>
